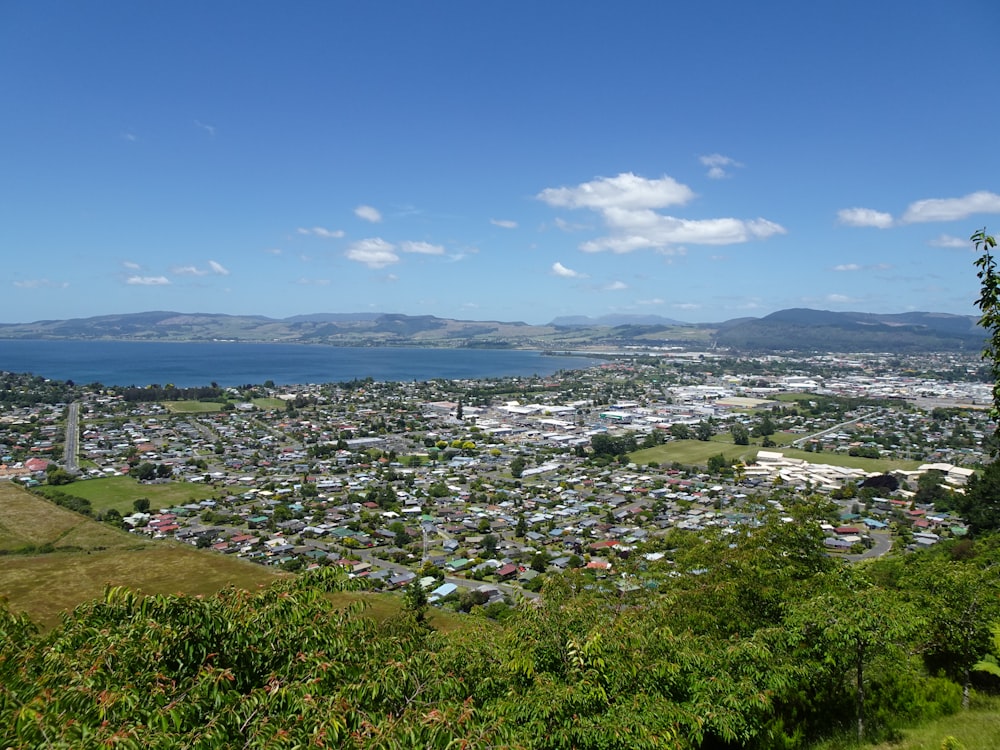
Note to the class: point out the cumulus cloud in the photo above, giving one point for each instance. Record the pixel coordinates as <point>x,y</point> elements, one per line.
<point>130,265</point>
<point>147,280</point>
<point>650,302</point>
<point>864,217</point>
<point>847,267</point>
<point>627,191</point>
<point>718,164</point>
<point>951,209</point>
<point>422,248</point>
<point>560,270</point>
<point>838,299</point>
<point>616,286</point>
<point>40,284</point>
<point>504,223</point>
<point>368,213</point>
<point>218,268</point>
<point>373,252</point>
<point>327,234</point>
<point>947,240</point>
<point>627,204</point>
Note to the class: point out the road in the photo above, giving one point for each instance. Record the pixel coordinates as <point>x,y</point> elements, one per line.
<point>882,543</point>
<point>72,442</point>
<point>802,440</point>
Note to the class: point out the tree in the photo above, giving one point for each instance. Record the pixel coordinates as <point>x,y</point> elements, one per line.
<point>415,600</point>
<point>58,476</point>
<point>741,435</point>
<point>140,504</point>
<point>989,305</point>
<point>680,431</point>
<point>490,542</point>
<point>522,527</point>
<point>980,505</point>
<point>704,430</point>
<point>144,472</point>
<point>517,467</point>
<point>851,626</point>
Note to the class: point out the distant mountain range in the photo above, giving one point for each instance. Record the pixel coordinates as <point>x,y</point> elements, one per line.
<point>786,330</point>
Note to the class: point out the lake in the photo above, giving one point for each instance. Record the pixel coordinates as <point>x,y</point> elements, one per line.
<point>192,364</point>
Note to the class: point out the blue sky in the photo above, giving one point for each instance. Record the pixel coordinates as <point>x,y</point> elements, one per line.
<point>495,161</point>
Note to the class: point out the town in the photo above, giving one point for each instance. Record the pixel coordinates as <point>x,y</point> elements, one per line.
<point>476,491</point>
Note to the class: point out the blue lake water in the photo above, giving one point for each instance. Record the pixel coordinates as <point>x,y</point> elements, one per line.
<point>195,364</point>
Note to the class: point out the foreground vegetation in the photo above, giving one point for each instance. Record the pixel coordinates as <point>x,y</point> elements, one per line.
<point>757,641</point>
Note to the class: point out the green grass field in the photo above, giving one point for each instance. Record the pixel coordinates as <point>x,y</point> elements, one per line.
<point>270,403</point>
<point>192,407</point>
<point>976,729</point>
<point>120,492</point>
<point>697,453</point>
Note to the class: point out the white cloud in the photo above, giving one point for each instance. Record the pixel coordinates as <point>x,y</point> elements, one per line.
<point>950,209</point>
<point>717,164</point>
<point>686,306</point>
<point>635,230</point>
<point>129,136</point>
<point>373,252</point>
<point>147,280</point>
<point>504,223</point>
<point>187,271</point>
<point>947,240</point>
<point>627,190</point>
<point>368,213</point>
<point>627,204</point>
<point>218,268</point>
<point>560,270</point>
<point>273,251</point>
<point>327,234</point>
<point>864,217</point>
<point>422,248</point>
<point>838,299</point>
<point>650,302</point>
<point>303,281</point>
<point>847,267</point>
<point>210,129</point>
<point>616,286</point>
<point>567,226</point>
<point>131,266</point>
<point>40,284</point>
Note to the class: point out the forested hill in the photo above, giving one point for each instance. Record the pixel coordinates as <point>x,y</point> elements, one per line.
<point>785,330</point>
<point>820,330</point>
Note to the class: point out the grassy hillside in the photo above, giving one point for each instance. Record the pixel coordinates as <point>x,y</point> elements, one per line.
<point>54,559</point>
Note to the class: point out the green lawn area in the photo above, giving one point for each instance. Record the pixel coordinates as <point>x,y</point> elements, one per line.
<point>120,492</point>
<point>697,453</point>
<point>977,729</point>
<point>269,403</point>
<point>192,407</point>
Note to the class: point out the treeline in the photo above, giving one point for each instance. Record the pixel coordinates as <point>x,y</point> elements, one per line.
<point>756,641</point>
<point>25,389</point>
<point>152,393</point>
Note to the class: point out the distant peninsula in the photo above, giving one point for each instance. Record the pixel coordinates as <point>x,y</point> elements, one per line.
<point>797,329</point>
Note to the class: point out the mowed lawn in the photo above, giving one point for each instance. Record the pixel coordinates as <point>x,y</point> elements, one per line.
<point>120,492</point>
<point>192,407</point>
<point>86,556</point>
<point>697,452</point>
